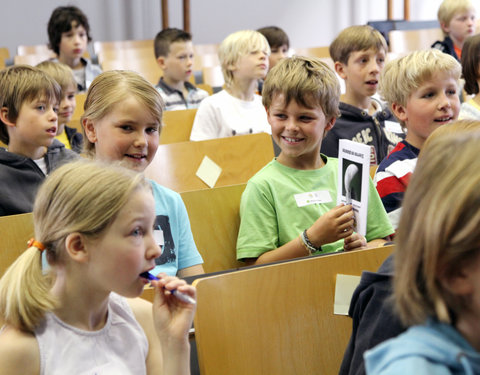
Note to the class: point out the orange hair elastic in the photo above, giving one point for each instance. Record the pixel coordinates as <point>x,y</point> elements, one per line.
<point>31,242</point>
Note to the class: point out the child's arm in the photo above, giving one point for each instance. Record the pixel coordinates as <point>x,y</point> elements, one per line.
<point>19,353</point>
<point>330,227</point>
<point>167,328</point>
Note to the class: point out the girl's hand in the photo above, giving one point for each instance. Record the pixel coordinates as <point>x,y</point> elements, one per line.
<point>355,242</point>
<point>172,317</point>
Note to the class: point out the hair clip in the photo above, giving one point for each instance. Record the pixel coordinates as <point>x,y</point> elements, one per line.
<point>31,242</point>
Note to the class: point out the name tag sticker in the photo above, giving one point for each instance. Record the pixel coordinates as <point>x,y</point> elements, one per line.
<point>393,127</point>
<point>314,197</point>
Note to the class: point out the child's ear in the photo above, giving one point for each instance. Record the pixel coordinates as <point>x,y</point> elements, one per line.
<point>4,117</point>
<point>399,111</point>
<point>444,27</point>
<point>340,69</point>
<point>90,131</point>
<point>161,62</point>
<point>329,126</point>
<point>456,281</point>
<point>75,246</point>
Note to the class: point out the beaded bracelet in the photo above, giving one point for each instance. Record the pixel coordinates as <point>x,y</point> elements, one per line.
<point>308,245</point>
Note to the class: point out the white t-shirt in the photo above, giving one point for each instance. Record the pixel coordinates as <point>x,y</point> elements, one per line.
<point>222,115</point>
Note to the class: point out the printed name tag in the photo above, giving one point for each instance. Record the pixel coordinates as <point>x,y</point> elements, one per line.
<point>314,197</point>
<point>393,127</point>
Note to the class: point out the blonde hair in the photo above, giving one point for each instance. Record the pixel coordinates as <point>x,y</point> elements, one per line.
<point>438,229</point>
<point>401,77</point>
<point>449,8</point>
<point>20,84</point>
<point>356,38</point>
<point>112,87</point>
<point>307,80</point>
<point>237,45</point>
<point>83,196</point>
<point>61,73</point>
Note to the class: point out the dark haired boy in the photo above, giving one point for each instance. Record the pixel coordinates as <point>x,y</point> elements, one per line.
<point>69,35</point>
<point>174,54</point>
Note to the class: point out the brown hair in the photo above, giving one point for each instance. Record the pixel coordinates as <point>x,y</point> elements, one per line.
<point>307,80</point>
<point>438,229</point>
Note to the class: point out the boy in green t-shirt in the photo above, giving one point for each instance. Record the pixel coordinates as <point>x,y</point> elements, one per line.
<point>279,218</point>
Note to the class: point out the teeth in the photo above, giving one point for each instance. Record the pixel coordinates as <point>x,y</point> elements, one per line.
<point>291,139</point>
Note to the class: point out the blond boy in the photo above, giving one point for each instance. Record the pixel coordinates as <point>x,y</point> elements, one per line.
<point>301,96</point>
<point>70,137</point>
<point>457,20</point>
<point>237,109</point>
<point>174,54</point>
<point>422,91</point>
<point>359,54</point>
<point>28,125</point>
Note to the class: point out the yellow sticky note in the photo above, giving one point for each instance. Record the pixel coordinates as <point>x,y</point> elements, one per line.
<point>209,172</point>
<point>344,288</point>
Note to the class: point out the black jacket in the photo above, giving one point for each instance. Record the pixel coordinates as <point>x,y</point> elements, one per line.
<point>20,177</point>
<point>373,318</point>
<point>357,125</point>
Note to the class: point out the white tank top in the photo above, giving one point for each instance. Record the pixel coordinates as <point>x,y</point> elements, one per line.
<point>119,348</point>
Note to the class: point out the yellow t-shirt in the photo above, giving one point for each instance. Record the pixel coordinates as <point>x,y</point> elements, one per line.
<point>63,138</point>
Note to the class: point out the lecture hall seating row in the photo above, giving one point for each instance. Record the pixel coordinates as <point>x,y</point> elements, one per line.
<point>282,323</point>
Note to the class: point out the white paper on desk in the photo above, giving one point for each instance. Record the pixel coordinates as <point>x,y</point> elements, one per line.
<point>353,180</point>
<point>344,288</point>
<point>209,172</point>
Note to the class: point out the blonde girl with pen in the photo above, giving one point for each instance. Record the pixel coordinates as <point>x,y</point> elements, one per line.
<point>95,224</point>
<point>122,122</point>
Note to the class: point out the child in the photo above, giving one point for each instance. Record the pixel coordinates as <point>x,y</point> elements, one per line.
<point>122,121</point>
<point>237,110</point>
<point>174,54</point>
<point>422,91</point>
<point>28,124</point>
<point>278,42</point>
<point>95,224</point>
<point>301,97</point>
<point>61,73</point>
<point>471,74</point>
<point>436,265</point>
<point>457,20</point>
<point>69,34</point>
<point>279,46</point>
<point>359,55</point>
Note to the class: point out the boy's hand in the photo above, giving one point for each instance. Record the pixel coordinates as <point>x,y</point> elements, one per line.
<point>332,226</point>
<point>355,242</point>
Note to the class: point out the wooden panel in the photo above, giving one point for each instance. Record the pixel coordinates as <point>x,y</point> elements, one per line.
<point>404,41</point>
<point>214,219</point>
<point>177,126</point>
<point>99,46</point>
<point>4,55</point>
<point>126,53</point>
<point>15,231</point>
<point>312,51</point>
<point>175,165</point>
<point>277,319</point>
<point>147,67</point>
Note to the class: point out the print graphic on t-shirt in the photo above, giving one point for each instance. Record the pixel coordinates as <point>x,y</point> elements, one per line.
<point>168,252</point>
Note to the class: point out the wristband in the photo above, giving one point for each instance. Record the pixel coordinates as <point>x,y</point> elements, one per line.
<point>306,242</point>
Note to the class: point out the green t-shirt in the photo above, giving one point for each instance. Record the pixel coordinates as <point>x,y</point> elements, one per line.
<point>270,216</point>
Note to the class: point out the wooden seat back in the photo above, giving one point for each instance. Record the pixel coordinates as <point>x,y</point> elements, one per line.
<point>214,218</point>
<point>175,164</point>
<point>277,319</point>
<point>405,41</point>
<point>15,231</point>
<point>177,126</point>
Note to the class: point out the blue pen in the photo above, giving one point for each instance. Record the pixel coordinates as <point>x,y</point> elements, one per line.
<point>181,296</point>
